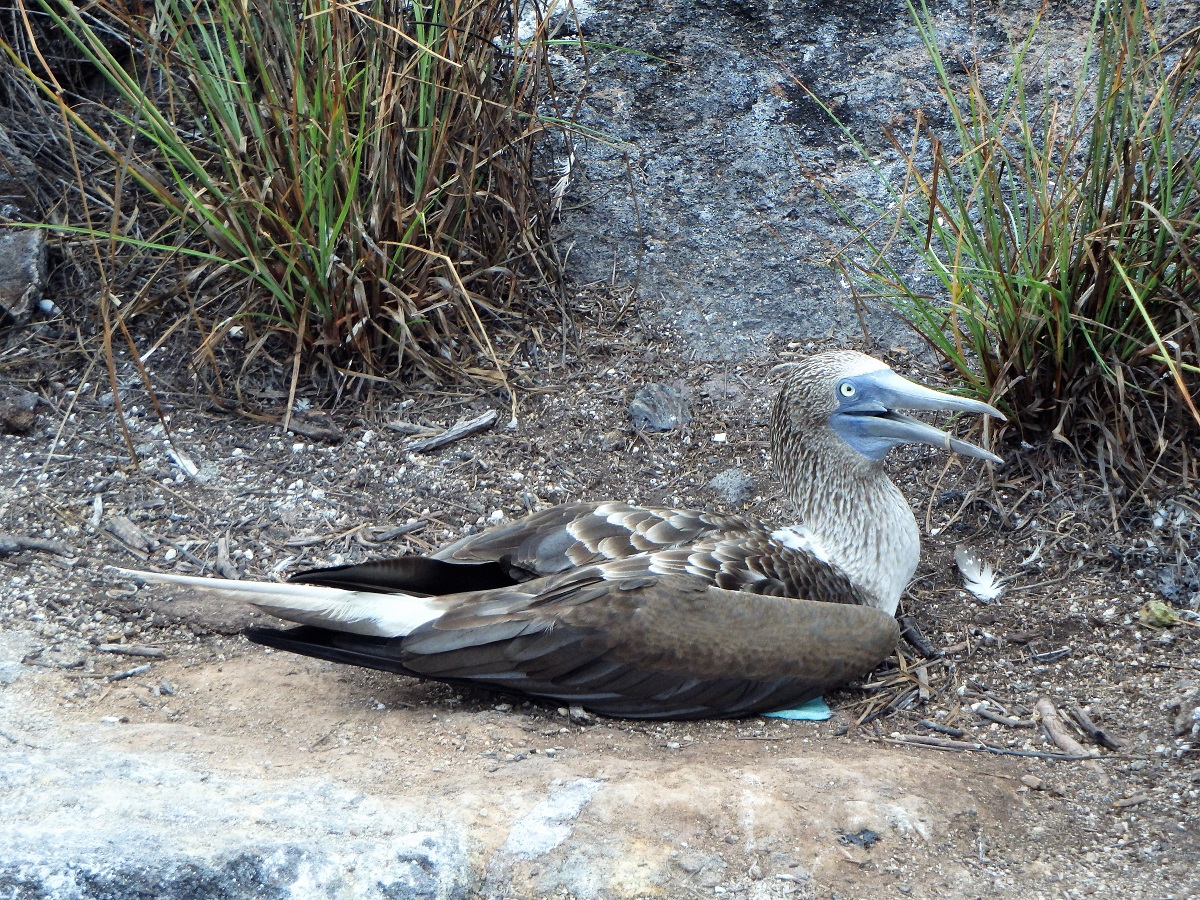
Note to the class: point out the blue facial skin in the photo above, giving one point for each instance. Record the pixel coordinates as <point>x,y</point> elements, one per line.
<point>856,419</point>
<point>855,430</point>
<point>867,419</point>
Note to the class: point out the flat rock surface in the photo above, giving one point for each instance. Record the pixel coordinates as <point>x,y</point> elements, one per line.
<point>712,188</point>
<point>703,194</point>
<point>265,771</point>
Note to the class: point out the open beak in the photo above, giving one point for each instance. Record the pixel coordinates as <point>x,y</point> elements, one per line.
<point>876,420</point>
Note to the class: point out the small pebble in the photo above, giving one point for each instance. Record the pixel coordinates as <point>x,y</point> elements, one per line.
<point>659,407</point>
<point>733,486</point>
<point>579,716</point>
<point>612,440</point>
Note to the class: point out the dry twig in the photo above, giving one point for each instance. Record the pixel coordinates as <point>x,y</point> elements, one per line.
<point>15,543</point>
<point>455,432</point>
<point>1094,732</point>
<point>922,740</point>
<point>1057,730</point>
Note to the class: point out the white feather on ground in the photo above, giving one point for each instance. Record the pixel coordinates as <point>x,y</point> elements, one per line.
<point>356,612</point>
<point>563,169</point>
<point>978,576</point>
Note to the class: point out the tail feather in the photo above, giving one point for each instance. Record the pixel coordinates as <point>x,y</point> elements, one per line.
<point>357,650</point>
<point>355,612</point>
<point>410,575</point>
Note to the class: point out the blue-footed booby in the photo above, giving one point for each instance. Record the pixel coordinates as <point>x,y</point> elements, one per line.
<point>651,612</point>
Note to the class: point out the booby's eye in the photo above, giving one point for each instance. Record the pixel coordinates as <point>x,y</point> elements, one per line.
<point>846,389</point>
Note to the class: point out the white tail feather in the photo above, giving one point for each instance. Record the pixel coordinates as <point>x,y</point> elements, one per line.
<point>356,612</point>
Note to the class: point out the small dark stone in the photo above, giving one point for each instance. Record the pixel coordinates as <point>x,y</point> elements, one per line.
<point>659,407</point>
<point>22,271</point>
<point>1180,585</point>
<point>18,410</point>
<point>316,425</point>
<point>864,837</point>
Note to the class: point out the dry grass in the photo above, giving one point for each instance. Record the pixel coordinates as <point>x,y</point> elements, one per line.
<point>347,188</point>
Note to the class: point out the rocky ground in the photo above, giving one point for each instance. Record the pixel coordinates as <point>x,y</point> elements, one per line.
<point>708,189</point>
<point>147,750</point>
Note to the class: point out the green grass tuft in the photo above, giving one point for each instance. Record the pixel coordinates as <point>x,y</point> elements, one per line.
<point>1063,237</point>
<point>360,174</point>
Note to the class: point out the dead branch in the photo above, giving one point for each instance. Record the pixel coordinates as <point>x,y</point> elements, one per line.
<point>1057,729</point>
<point>455,432</point>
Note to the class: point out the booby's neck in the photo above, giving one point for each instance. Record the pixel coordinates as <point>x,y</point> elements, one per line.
<point>853,512</point>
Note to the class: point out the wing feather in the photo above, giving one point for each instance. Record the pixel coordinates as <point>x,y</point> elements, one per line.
<point>731,552</point>
<point>668,648</point>
<point>576,534</point>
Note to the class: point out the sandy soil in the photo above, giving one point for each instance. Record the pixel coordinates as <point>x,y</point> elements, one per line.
<point>756,808</point>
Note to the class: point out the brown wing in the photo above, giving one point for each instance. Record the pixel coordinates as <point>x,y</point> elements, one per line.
<point>729,552</point>
<point>751,561</point>
<point>546,543</point>
<point>624,642</point>
<point>733,552</point>
<point>579,534</point>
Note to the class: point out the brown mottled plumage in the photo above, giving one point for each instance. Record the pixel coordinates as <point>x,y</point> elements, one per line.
<point>652,612</point>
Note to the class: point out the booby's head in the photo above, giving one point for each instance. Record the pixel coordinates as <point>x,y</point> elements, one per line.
<point>837,416</point>
<point>858,399</point>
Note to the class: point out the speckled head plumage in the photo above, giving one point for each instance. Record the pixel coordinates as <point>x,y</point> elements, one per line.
<point>836,417</point>
<point>809,398</point>
<point>811,385</point>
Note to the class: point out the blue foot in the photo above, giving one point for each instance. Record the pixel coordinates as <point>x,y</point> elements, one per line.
<point>815,710</point>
